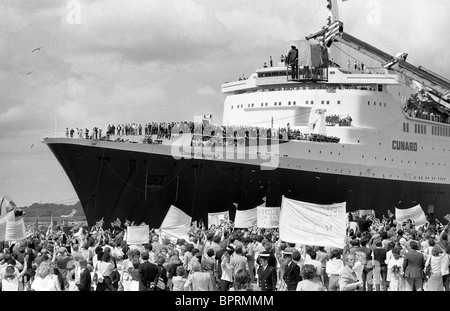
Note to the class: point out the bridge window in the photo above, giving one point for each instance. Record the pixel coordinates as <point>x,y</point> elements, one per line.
<point>323,102</point>
<point>328,102</point>
<point>339,102</point>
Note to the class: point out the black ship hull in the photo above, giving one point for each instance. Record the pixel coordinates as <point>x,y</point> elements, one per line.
<point>140,186</point>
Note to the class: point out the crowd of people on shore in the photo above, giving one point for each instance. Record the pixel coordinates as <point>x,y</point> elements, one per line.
<point>378,256</point>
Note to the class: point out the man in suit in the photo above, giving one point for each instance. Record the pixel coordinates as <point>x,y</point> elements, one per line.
<point>348,280</point>
<point>291,271</point>
<point>413,265</point>
<point>148,273</point>
<point>267,275</point>
<point>85,278</point>
<point>292,60</point>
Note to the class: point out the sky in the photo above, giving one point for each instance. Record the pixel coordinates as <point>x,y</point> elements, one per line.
<point>105,62</point>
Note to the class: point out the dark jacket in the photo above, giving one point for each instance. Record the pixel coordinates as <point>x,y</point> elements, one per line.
<point>292,275</point>
<point>85,281</point>
<point>267,278</point>
<point>413,264</point>
<point>292,57</point>
<point>148,272</point>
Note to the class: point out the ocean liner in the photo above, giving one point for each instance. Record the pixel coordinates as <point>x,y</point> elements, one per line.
<point>314,130</point>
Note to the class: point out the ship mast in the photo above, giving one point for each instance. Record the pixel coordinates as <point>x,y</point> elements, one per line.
<point>433,84</point>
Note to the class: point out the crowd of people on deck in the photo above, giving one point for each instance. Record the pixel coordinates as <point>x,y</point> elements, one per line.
<point>203,134</point>
<point>378,255</point>
<point>422,106</point>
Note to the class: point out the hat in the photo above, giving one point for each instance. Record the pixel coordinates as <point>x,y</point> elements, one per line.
<point>287,253</point>
<point>265,256</point>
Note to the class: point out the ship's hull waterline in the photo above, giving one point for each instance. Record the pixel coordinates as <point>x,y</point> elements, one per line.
<point>141,186</point>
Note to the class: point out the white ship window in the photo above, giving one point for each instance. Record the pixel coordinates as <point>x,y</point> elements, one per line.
<point>339,102</point>
<point>374,103</point>
<point>380,104</point>
<point>275,103</point>
<point>248,106</point>
<point>289,103</point>
<point>328,102</point>
<point>231,107</point>
<point>267,104</point>
<point>415,128</point>
<point>323,102</point>
<point>262,104</point>
<point>294,102</point>
<point>279,103</point>
<point>368,103</point>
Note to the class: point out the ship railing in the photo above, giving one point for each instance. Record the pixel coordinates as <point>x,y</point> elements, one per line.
<point>306,73</point>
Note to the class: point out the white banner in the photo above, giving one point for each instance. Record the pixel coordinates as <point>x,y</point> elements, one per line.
<point>176,224</point>
<point>313,224</point>
<point>268,217</point>
<point>245,219</point>
<point>216,218</point>
<point>414,213</point>
<point>3,220</point>
<point>15,230</point>
<point>138,235</point>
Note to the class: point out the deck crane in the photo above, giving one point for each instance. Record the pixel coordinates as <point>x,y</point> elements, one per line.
<point>433,84</point>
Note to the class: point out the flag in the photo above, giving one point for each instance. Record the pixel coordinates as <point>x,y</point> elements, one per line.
<point>116,223</point>
<point>127,223</point>
<point>71,214</point>
<point>332,31</point>
<point>447,217</point>
<point>99,224</point>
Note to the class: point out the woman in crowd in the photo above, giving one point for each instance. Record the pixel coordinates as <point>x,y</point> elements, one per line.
<point>226,279</point>
<point>45,280</point>
<point>198,280</point>
<point>179,280</point>
<point>162,278</point>
<point>395,271</point>
<point>333,268</point>
<point>103,270</point>
<point>242,281</point>
<point>434,261</point>
<point>11,277</point>
<point>310,279</point>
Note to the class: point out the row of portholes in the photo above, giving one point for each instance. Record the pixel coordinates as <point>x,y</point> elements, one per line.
<point>375,103</point>
<point>384,176</point>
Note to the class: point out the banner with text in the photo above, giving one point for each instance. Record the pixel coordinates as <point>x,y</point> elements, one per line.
<point>245,219</point>
<point>216,218</point>
<point>313,224</point>
<point>15,230</point>
<point>414,213</point>
<point>3,220</point>
<point>268,217</point>
<point>176,224</point>
<point>137,235</point>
